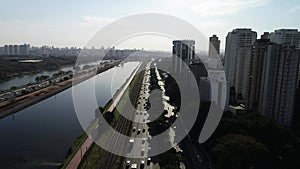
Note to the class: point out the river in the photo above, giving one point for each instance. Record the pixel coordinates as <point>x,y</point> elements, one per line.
<point>40,135</point>
<point>25,79</point>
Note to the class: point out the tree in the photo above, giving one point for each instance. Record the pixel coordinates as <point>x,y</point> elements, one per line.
<point>41,78</point>
<point>239,152</point>
<point>13,88</point>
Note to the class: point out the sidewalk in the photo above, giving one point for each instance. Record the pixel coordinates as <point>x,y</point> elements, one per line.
<point>73,164</point>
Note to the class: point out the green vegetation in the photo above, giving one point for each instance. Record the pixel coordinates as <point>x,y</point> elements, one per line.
<point>240,151</point>
<point>73,149</point>
<point>41,78</point>
<point>170,160</point>
<point>12,67</point>
<point>249,140</point>
<point>92,157</point>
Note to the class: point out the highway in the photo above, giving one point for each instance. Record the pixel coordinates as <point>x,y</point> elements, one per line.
<point>108,159</point>
<point>140,129</point>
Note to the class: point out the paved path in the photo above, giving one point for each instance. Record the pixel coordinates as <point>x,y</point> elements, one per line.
<point>73,164</point>
<point>119,96</point>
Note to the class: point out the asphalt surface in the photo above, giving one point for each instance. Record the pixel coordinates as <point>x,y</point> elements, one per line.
<point>140,147</point>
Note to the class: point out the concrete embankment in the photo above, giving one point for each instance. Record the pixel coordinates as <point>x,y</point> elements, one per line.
<point>16,104</point>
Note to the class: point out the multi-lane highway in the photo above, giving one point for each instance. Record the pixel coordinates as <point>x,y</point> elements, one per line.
<point>140,148</point>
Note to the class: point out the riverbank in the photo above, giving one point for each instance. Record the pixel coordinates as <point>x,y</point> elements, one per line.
<point>11,67</point>
<point>16,104</point>
<point>92,152</point>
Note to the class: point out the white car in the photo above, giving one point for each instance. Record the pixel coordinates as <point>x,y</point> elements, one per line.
<point>133,129</point>
<point>127,164</point>
<point>133,166</point>
<point>142,165</point>
<point>148,161</point>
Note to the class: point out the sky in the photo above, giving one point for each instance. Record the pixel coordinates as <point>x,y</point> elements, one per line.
<point>73,22</point>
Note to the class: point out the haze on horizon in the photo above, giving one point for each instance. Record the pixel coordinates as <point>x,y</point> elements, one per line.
<point>73,23</point>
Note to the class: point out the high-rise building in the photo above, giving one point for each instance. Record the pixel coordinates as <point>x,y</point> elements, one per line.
<point>185,51</point>
<point>24,49</point>
<point>2,50</point>
<point>214,47</point>
<point>201,76</point>
<point>6,50</point>
<point>278,83</point>
<point>286,37</point>
<point>238,49</point>
<point>16,50</point>
<point>11,50</point>
<point>256,69</point>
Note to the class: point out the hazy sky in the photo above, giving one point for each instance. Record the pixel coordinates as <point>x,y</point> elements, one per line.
<point>73,23</point>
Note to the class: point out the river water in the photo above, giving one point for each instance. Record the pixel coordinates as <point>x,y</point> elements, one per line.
<point>40,135</point>
<point>25,79</point>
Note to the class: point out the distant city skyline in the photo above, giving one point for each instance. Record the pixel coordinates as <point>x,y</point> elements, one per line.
<point>73,23</point>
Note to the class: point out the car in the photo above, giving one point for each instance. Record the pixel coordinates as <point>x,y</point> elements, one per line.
<point>134,166</point>
<point>144,120</point>
<point>131,142</point>
<point>142,165</point>
<point>143,152</point>
<point>127,164</point>
<point>148,161</point>
<point>143,141</point>
<point>139,131</point>
<point>133,129</point>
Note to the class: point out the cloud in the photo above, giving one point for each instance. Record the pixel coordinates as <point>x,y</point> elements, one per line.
<point>220,7</point>
<point>294,9</point>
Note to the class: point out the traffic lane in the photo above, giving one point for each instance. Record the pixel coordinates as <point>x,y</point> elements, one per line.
<point>142,145</point>
<point>141,128</point>
<point>138,131</point>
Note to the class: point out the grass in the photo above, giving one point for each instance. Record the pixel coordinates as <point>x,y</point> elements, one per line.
<point>91,158</point>
<point>73,149</point>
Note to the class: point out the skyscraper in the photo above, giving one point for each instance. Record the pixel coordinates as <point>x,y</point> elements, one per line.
<point>16,50</point>
<point>184,50</point>
<point>256,69</point>
<point>278,83</point>
<point>11,49</point>
<point>238,49</point>
<point>6,50</point>
<point>24,49</point>
<point>286,37</point>
<point>214,47</point>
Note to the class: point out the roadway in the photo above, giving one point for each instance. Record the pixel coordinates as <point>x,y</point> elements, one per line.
<point>108,159</point>
<point>140,129</point>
